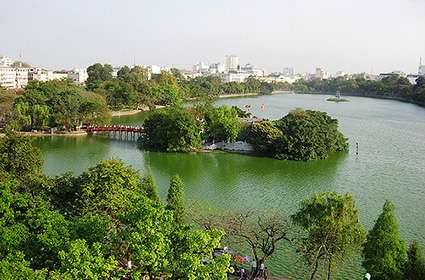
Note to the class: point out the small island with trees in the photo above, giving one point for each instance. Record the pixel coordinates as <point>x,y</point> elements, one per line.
<point>300,135</point>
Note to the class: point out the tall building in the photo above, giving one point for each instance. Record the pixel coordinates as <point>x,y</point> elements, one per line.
<point>288,72</point>
<point>421,70</point>
<point>232,63</point>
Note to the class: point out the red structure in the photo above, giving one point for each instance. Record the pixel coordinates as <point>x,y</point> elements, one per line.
<point>114,128</point>
<point>121,132</point>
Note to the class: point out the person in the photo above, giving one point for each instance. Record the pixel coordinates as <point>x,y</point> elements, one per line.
<point>242,274</point>
<point>262,270</point>
<point>253,266</point>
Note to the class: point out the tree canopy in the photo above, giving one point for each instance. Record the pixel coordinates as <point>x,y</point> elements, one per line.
<point>385,252</point>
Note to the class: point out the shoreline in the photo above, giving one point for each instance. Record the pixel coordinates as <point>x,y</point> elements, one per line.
<point>43,133</point>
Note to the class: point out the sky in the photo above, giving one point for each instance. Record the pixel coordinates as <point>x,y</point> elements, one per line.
<point>347,35</point>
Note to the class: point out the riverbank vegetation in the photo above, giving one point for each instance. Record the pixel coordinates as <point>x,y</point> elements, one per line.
<point>394,86</point>
<point>54,104</point>
<point>135,87</point>
<point>110,223</point>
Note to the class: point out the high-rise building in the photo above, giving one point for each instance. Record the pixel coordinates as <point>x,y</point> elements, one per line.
<point>421,70</point>
<point>232,63</point>
<point>288,72</point>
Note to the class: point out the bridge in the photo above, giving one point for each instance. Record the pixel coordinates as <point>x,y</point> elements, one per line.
<point>122,132</point>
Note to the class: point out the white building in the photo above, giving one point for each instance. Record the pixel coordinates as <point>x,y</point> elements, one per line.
<point>288,72</point>
<point>154,69</point>
<point>78,76</point>
<point>217,68</point>
<point>201,67</point>
<point>235,77</point>
<point>7,77</point>
<point>11,77</point>
<point>5,61</point>
<point>321,74</point>
<point>232,63</point>
<point>39,74</point>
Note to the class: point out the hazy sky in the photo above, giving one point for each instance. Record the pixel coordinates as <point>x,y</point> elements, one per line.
<point>349,35</point>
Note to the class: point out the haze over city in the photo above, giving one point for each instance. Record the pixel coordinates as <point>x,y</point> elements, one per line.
<point>353,36</point>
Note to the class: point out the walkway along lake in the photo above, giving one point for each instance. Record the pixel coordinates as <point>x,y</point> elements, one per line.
<point>390,165</point>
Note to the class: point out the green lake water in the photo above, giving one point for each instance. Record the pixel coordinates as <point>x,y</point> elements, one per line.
<point>390,165</point>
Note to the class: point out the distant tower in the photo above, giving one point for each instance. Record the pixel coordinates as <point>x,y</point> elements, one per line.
<point>421,69</point>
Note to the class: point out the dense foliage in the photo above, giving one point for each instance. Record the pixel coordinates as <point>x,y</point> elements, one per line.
<point>99,225</point>
<point>222,124</point>
<point>58,103</point>
<point>300,135</point>
<point>385,252</point>
<point>415,265</point>
<point>393,87</point>
<point>173,129</point>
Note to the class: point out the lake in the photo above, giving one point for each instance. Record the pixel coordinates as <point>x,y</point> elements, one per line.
<point>390,165</point>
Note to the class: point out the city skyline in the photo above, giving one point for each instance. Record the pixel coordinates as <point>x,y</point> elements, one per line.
<point>353,37</point>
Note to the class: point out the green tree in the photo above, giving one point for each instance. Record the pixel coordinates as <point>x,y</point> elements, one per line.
<point>107,187</point>
<point>98,73</point>
<point>415,265</point>
<point>263,136</point>
<point>222,124</point>
<point>173,129</point>
<point>385,252</point>
<point>150,188</point>
<point>80,261</point>
<point>308,135</point>
<point>19,157</point>
<point>118,94</point>
<point>331,230</point>
<point>175,198</point>
<point>15,267</point>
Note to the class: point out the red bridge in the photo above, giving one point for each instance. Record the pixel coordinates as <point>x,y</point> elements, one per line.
<point>120,131</point>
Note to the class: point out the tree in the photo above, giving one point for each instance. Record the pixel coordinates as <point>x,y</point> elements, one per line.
<point>385,252</point>
<point>415,265</point>
<point>308,135</point>
<point>150,187</point>
<point>118,94</point>
<point>263,136</point>
<point>7,99</point>
<point>80,261</point>
<point>107,187</point>
<point>262,233</point>
<point>98,73</point>
<point>222,124</point>
<point>19,157</point>
<point>171,130</point>
<point>16,267</point>
<point>331,230</point>
<point>175,198</point>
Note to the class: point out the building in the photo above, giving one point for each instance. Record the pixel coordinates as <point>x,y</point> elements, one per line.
<point>7,77</point>
<point>13,78</point>
<point>288,72</point>
<point>217,68</point>
<point>5,61</point>
<point>201,67</point>
<point>39,74</point>
<point>235,77</point>
<point>321,74</point>
<point>391,74</point>
<point>232,63</point>
<point>421,69</point>
<point>78,76</point>
<point>154,69</point>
